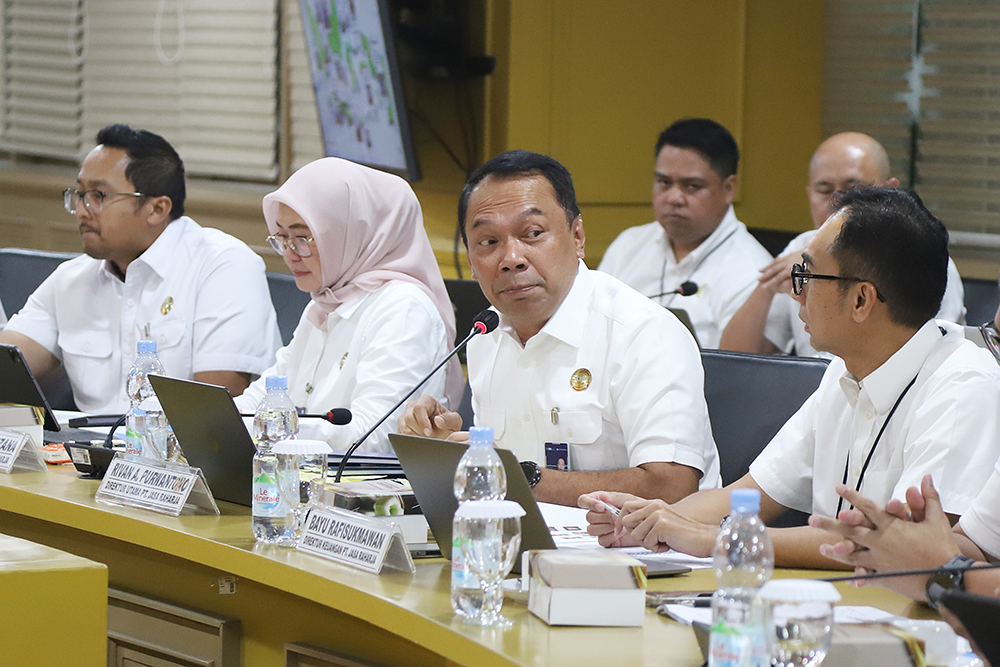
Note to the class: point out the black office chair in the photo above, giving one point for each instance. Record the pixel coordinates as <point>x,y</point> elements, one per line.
<point>21,272</point>
<point>750,397</point>
<point>289,302</point>
<point>468,301</point>
<point>981,300</point>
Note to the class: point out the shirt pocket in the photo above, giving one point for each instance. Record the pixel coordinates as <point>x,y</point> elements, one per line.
<point>575,427</point>
<point>86,356</point>
<point>495,418</point>
<point>169,334</point>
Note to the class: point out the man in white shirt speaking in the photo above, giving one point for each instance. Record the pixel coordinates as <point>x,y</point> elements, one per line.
<point>580,361</point>
<point>906,396</point>
<point>149,272</point>
<point>696,237</point>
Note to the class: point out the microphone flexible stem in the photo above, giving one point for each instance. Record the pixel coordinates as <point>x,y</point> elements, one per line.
<point>906,573</point>
<point>357,443</point>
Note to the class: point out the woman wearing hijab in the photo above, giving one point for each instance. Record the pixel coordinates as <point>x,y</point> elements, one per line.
<point>379,319</point>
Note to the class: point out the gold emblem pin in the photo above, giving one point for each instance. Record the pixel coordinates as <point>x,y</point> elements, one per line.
<point>167,304</point>
<point>342,360</point>
<point>580,379</point>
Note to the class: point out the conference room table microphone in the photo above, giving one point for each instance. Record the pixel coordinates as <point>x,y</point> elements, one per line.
<point>484,322</point>
<point>687,288</point>
<point>336,416</point>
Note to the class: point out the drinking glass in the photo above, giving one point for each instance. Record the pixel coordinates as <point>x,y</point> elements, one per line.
<point>489,532</point>
<point>799,620</point>
<point>301,472</point>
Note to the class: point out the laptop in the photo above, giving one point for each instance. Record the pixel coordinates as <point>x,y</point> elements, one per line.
<point>211,433</point>
<point>430,466</point>
<point>20,387</point>
<point>980,615</point>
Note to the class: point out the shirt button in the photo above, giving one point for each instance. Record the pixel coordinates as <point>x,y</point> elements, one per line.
<point>868,414</point>
<point>130,303</point>
<point>569,433</point>
<point>524,363</point>
<point>527,417</point>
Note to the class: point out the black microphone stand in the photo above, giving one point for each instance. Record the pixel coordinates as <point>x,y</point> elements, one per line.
<point>477,328</point>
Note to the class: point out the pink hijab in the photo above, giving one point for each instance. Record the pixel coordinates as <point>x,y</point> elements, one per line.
<point>368,231</point>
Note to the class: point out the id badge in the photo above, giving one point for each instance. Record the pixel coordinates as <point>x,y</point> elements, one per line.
<point>557,455</point>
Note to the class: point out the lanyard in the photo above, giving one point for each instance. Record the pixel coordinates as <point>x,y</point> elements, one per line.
<point>864,468</point>
<point>663,273</point>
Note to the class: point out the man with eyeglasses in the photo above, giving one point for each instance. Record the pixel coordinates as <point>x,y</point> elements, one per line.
<point>149,272</point>
<point>768,322</point>
<point>906,395</point>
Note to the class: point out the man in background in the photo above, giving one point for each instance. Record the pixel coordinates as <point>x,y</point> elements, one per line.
<point>768,322</point>
<point>696,237</point>
<point>149,272</point>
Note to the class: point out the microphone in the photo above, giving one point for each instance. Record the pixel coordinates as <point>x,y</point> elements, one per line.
<point>337,416</point>
<point>485,322</point>
<point>687,288</point>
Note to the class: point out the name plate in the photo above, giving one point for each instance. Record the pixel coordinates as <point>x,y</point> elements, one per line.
<point>17,451</point>
<point>355,539</point>
<point>158,486</point>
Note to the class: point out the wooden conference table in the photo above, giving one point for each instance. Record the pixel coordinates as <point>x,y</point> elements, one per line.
<point>283,597</point>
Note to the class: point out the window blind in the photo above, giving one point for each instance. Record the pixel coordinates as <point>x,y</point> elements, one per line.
<point>867,55</point>
<point>959,146</point>
<point>203,74</point>
<point>305,132</point>
<point>41,82</point>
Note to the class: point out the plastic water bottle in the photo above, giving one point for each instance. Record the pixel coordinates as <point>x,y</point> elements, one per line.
<point>275,419</point>
<point>479,476</point>
<point>144,421</point>
<point>744,561</point>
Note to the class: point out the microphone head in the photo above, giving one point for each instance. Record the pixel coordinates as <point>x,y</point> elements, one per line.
<point>339,416</point>
<point>688,288</point>
<point>486,321</point>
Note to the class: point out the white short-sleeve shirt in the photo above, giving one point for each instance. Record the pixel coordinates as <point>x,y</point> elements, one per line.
<point>612,374</point>
<point>947,424</point>
<point>725,267</point>
<point>376,347</point>
<point>788,333</point>
<point>982,522</point>
<point>199,293</point>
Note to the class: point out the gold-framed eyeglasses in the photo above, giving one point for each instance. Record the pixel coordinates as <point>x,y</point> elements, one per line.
<point>800,276</point>
<point>93,200</point>
<point>298,244</point>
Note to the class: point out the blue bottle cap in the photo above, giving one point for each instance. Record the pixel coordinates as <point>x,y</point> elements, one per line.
<point>744,500</point>
<point>481,435</point>
<point>276,382</point>
<point>146,347</point>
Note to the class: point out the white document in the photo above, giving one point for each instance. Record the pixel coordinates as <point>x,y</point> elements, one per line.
<point>568,526</point>
<point>842,615</point>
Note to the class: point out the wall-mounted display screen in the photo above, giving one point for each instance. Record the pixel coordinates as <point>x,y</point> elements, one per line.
<point>356,76</point>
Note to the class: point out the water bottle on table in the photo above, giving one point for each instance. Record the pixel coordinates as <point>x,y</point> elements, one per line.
<point>145,423</point>
<point>479,476</point>
<point>744,561</point>
<point>275,419</point>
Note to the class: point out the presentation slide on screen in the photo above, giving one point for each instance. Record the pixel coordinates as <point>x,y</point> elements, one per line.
<point>350,67</point>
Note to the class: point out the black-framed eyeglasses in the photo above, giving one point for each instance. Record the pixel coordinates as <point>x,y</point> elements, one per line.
<point>992,339</point>
<point>800,276</point>
<point>298,244</point>
<point>93,200</point>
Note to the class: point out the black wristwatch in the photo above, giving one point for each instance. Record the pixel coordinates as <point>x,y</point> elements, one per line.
<point>531,472</point>
<point>949,576</point>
